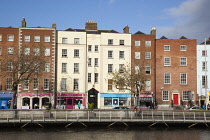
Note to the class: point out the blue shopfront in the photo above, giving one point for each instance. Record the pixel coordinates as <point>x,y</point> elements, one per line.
<point>109,101</point>
<point>5,99</point>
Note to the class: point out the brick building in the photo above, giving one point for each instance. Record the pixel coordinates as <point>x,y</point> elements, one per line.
<point>176,80</point>
<point>33,41</point>
<point>143,59</point>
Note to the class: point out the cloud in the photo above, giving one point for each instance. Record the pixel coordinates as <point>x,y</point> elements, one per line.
<point>191,19</point>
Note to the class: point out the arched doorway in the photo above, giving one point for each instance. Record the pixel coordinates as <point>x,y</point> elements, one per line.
<point>93,97</point>
<point>26,101</point>
<point>35,103</point>
<point>45,102</point>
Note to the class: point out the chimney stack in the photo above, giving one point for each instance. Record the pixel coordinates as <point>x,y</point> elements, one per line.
<point>126,29</point>
<point>91,25</point>
<point>23,22</point>
<point>54,25</point>
<point>153,31</point>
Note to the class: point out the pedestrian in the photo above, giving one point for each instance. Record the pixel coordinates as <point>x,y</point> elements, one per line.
<point>79,105</point>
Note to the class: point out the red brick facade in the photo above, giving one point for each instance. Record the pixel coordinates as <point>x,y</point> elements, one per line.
<point>175,88</point>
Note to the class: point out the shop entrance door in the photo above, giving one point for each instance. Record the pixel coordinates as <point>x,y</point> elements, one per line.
<point>175,97</point>
<point>115,102</point>
<point>69,103</point>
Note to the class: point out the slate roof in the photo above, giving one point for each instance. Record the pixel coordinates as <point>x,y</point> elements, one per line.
<point>183,37</point>
<point>139,33</point>
<point>207,42</point>
<point>92,31</point>
<point>163,37</point>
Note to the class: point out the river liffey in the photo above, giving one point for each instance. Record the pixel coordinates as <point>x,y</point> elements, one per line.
<point>105,133</point>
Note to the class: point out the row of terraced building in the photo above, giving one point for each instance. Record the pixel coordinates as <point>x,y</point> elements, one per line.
<point>79,63</point>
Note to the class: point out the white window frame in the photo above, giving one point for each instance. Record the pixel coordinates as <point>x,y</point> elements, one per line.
<point>36,51</point>
<point>9,66</point>
<point>46,84</point>
<point>148,85</point>
<point>167,47</point>
<point>137,69</point>
<point>183,48</point>
<point>9,83</point>
<point>122,42</point>
<point>167,61</point>
<point>183,61</point>
<point>64,84</point>
<point>64,68</point>
<point>89,48</point>
<point>121,54</point>
<point>110,68</point>
<point>47,52</point>
<point>89,77</point>
<point>204,66</point>
<point>96,77</point>
<point>204,81</point>
<point>76,53</point>
<point>46,38</point>
<point>10,38</point>
<point>36,84</point>
<point>183,78</point>
<point>36,38</point>
<point>26,51</point>
<point>167,78</point>
<point>110,41</point>
<point>204,53</point>
<point>137,43</point>
<point>0,37</point>
<point>76,84</point>
<point>137,55</point>
<point>76,67</point>
<point>89,62</point>
<point>147,55</point>
<point>64,52</point>
<point>148,43</point>
<point>47,67</point>
<point>10,50</point>
<point>165,95</point>
<point>64,40</point>
<point>26,85</point>
<point>148,68</point>
<point>96,48</point>
<point>27,38</point>
<point>76,40</point>
<point>185,95</point>
<point>110,54</point>
<point>96,62</point>
<point>121,68</point>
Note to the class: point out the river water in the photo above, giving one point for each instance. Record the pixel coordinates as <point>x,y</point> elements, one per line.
<point>105,133</point>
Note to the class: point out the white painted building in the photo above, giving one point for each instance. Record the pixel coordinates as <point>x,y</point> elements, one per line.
<point>203,72</point>
<point>86,57</point>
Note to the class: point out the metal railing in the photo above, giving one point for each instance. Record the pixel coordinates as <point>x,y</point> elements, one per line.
<point>59,116</point>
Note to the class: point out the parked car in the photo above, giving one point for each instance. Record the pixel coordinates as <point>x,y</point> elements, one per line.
<point>121,107</point>
<point>195,108</point>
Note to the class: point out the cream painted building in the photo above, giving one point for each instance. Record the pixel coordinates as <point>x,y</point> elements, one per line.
<point>85,59</point>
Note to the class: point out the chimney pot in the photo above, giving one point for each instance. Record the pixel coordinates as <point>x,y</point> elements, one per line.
<point>23,22</point>
<point>126,29</point>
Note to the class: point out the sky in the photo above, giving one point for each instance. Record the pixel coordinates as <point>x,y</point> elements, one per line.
<point>172,18</point>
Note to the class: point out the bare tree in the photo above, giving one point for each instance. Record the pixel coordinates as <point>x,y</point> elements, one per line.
<point>130,79</point>
<point>20,65</point>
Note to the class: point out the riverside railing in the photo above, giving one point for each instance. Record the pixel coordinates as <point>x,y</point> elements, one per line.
<point>62,116</point>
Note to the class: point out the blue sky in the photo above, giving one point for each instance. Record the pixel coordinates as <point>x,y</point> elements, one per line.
<point>172,18</point>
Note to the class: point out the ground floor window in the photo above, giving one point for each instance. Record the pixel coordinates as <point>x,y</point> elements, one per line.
<point>107,101</point>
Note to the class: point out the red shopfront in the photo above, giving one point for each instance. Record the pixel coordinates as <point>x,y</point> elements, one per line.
<point>70,101</point>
